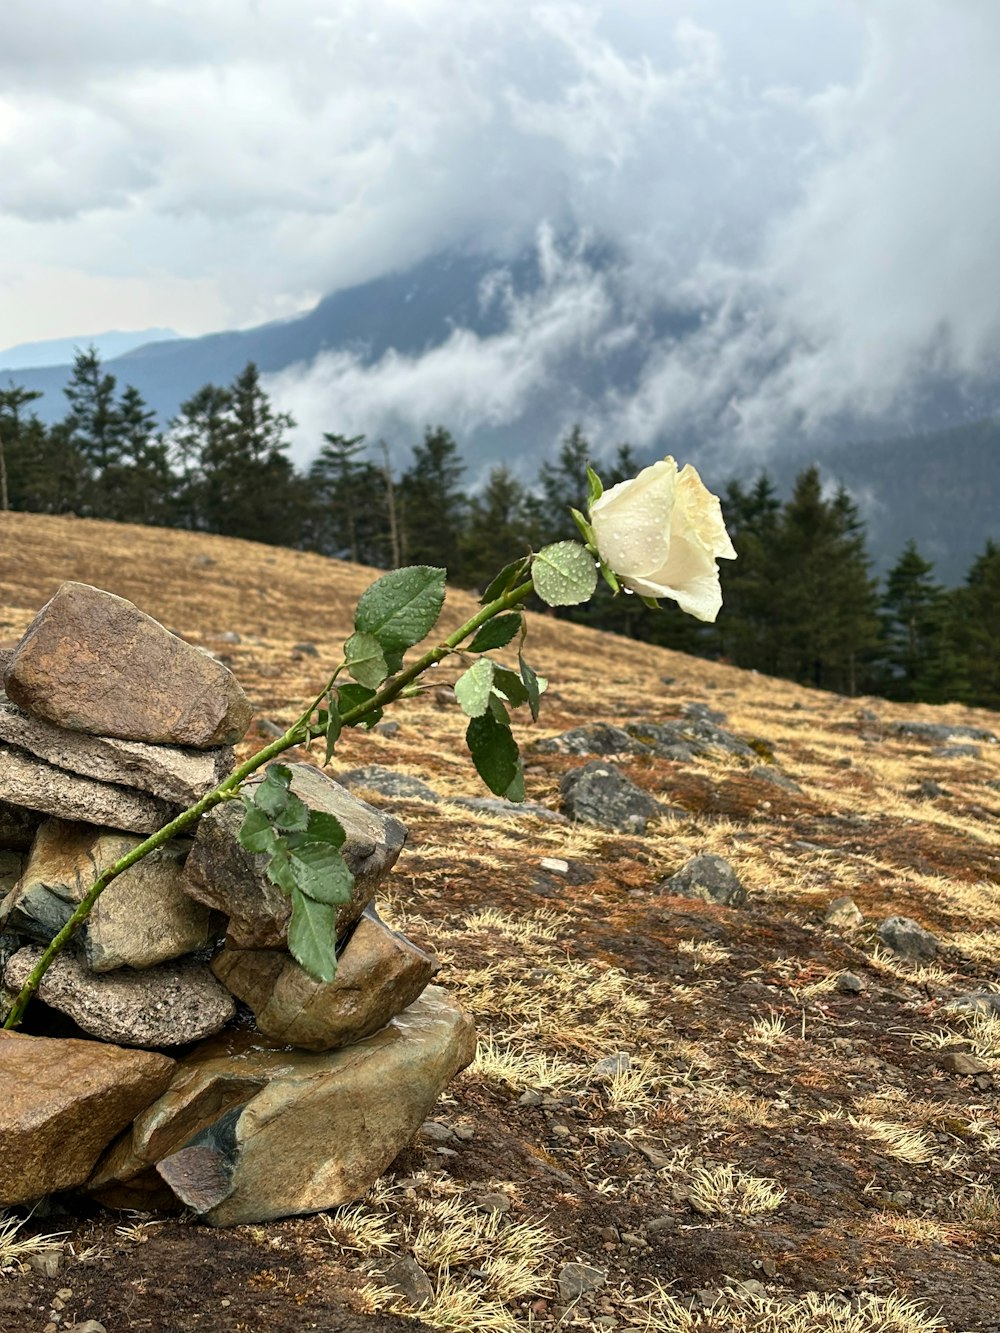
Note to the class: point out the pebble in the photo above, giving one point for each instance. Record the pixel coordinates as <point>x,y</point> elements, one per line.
<point>576,1280</point>
<point>843,912</point>
<point>89,1326</point>
<point>48,1262</point>
<point>613,1065</point>
<point>410,1280</point>
<point>530,1098</point>
<point>957,1062</point>
<point>849,984</point>
<point>493,1203</point>
<point>554,865</point>
<point>436,1131</point>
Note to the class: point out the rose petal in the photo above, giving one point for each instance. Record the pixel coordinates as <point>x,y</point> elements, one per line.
<point>691,577</point>
<point>632,521</point>
<point>703,513</point>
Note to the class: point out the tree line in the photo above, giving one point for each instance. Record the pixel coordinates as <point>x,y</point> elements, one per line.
<point>801,601</point>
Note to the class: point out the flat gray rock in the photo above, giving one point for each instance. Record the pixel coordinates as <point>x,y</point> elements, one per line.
<point>387,782</point>
<point>502,809</point>
<point>180,776</point>
<point>28,781</point>
<point>599,794</point>
<point>594,738</point>
<point>93,662</point>
<point>222,875</point>
<point>941,732</point>
<point>169,1005</point>
<point>907,937</point>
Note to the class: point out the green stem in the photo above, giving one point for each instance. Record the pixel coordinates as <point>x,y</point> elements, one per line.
<point>395,687</point>
<point>295,734</point>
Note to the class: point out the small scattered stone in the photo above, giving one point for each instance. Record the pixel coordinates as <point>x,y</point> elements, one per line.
<point>437,1132</point>
<point>956,752</point>
<point>305,649</point>
<point>768,773</point>
<point>47,1262</point>
<point>930,790</point>
<point>958,1062</point>
<point>907,937</point>
<point>599,794</point>
<point>409,1279</point>
<point>387,782</point>
<point>500,808</point>
<point>708,877</point>
<point>703,713</point>
<point>90,1326</point>
<point>844,912</point>
<point>576,1280</point>
<point>554,865</point>
<point>493,1203</point>
<point>387,729</point>
<point>941,731</point>
<point>530,1098</point>
<point>612,1066</point>
<point>850,984</point>
<point>596,738</point>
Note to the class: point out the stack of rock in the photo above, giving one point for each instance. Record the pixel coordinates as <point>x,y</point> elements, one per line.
<point>109,726</point>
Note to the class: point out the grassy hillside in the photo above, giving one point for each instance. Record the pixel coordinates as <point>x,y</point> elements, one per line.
<point>784,1146</point>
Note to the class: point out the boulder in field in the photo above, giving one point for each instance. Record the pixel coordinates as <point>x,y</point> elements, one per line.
<point>93,662</point>
<point>599,794</point>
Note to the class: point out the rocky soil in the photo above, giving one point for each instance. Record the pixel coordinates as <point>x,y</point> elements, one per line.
<point>758,1091</point>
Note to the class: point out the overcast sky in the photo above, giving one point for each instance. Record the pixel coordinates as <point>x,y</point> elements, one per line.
<point>819,174</point>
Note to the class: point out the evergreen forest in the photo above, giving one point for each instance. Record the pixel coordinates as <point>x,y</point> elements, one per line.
<point>801,601</point>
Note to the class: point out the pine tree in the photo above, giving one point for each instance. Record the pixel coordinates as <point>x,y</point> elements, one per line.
<point>13,400</point>
<point>432,504</point>
<point>918,659</point>
<point>503,523</point>
<point>236,477</point>
<point>974,619</point>
<point>138,488</point>
<point>750,582</point>
<point>824,625</point>
<point>564,486</point>
<point>335,490</point>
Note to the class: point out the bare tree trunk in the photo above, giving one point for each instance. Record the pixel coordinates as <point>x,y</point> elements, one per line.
<point>390,498</point>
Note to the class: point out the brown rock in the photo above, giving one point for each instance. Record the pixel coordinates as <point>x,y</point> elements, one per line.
<point>379,973</point>
<point>960,1062</point>
<point>168,1005</point>
<point>172,773</point>
<point>305,1131</point>
<point>93,662</point>
<point>61,1102</point>
<point>30,782</point>
<point>143,917</point>
<point>320,1134</point>
<point>222,875</point>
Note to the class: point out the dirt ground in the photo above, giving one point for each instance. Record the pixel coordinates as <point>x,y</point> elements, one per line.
<point>788,1145</point>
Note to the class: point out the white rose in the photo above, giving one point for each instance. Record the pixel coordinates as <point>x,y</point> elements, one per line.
<point>662,533</point>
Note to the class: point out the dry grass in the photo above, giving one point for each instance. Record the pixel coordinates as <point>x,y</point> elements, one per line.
<point>16,1248</point>
<point>749,1071</point>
